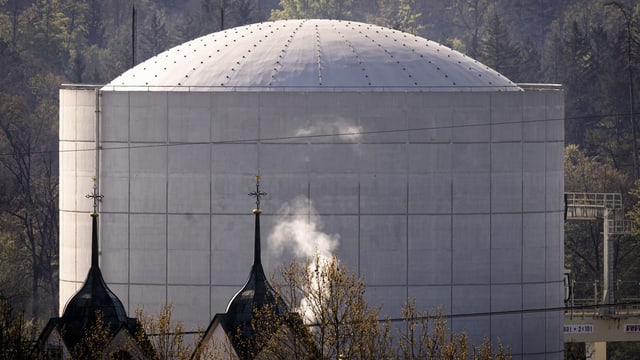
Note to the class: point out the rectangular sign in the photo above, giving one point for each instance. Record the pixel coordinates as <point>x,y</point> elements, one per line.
<point>632,328</point>
<point>578,329</point>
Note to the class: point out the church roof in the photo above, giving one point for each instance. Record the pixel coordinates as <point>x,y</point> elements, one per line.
<point>93,298</point>
<point>311,55</point>
<point>256,294</point>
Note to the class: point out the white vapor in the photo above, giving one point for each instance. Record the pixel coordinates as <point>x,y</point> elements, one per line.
<point>299,229</point>
<point>341,127</point>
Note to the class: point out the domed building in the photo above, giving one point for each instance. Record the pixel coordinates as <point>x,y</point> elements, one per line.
<point>442,178</point>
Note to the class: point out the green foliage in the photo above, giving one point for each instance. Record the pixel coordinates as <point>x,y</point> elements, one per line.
<point>498,51</point>
<point>314,9</point>
<point>583,239</point>
<point>165,334</point>
<point>17,335</point>
<point>331,301</point>
<point>622,350</point>
<point>574,351</point>
<point>584,173</point>
<point>338,322</point>
<point>94,341</point>
<point>634,213</point>
<point>402,15</point>
<point>470,16</point>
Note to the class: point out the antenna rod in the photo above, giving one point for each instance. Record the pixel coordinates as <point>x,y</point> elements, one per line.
<point>133,35</point>
<point>222,15</point>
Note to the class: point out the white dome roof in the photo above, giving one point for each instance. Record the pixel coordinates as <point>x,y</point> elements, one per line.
<point>311,55</point>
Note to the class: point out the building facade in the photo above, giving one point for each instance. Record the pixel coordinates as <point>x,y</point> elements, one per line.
<point>439,178</point>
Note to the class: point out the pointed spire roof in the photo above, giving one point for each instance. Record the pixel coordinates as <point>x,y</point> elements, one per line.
<point>256,292</point>
<point>93,298</point>
<point>256,295</point>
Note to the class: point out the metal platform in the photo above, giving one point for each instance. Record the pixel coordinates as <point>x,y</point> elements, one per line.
<point>590,206</point>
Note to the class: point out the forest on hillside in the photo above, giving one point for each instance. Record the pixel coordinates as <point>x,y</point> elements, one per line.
<point>591,47</point>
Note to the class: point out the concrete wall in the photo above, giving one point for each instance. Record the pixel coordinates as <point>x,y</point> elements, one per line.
<point>463,211</point>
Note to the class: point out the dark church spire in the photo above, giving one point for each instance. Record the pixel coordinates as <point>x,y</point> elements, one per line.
<point>257,261</point>
<point>93,300</point>
<point>254,295</point>
<point>94,225</point>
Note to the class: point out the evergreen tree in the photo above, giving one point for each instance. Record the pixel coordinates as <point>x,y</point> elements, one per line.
<point>530,65</point>
<point>470,16</point>
<point>154,38</point>
<point>401,15</point>
<point>311,9</point>
<point>498,51</point>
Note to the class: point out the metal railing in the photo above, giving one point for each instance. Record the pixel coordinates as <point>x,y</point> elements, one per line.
<point>590,205</point>
<point>587,296</point>
<point>620,227</point>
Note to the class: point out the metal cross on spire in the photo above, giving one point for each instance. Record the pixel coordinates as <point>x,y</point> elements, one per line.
<point>95,196</point>
<point>258,194</point>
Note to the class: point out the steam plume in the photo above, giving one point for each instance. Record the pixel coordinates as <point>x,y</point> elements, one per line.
<point>347,131</point>
<point>299,230</point>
